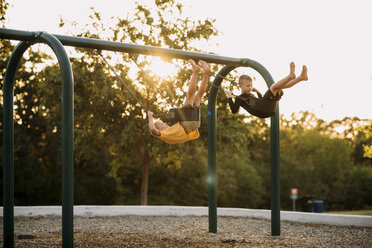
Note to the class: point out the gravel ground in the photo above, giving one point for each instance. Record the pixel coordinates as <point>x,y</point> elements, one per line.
<point>190,231</point>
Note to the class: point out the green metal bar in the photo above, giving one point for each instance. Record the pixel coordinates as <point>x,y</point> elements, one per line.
<point>125,47</point>
<point>8,142</point>
<point>67,138</point>
<point>275,174</point>
<point>212,148</point>
<point>274,158</point>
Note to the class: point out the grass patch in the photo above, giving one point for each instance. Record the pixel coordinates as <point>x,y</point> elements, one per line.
<point>356,212</point>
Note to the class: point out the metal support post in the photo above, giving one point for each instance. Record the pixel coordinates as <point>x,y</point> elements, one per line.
<point>67,139</point>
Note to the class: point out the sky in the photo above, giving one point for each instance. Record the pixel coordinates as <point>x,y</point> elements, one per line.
<point>332,38</point>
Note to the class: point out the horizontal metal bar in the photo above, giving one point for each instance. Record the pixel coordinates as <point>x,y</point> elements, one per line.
<point>124,47</point>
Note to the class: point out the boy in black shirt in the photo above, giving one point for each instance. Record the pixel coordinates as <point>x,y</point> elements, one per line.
<point>272,95</point>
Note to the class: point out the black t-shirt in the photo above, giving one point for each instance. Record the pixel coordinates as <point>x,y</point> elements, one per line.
<point>243,101</point>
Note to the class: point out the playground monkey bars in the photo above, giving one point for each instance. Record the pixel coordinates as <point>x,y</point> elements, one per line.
<point>56,42</point>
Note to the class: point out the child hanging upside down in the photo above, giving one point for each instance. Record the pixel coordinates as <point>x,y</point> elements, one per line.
<point>272,95</point>
<point>186,130</point>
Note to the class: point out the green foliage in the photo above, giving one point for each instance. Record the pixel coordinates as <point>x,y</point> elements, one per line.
<point>367,151</point>
<point>357,188</point>
<point>3,7</point>
<point>36,167</point>
<point>366,133</point>
<point>320,163</point>
<point>180,183</point>
<point>319,167</point>
<point>239,184</point>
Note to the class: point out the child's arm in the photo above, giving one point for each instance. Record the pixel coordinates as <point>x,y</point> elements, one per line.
<point>257,92</point>
<point>152,127</point>
<point>234,107</point>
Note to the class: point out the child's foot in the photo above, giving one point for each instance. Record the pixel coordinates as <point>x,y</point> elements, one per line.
<point>303,75</point>
<point>195,67</point>
<point>204,65</point>
<point>292,74</point>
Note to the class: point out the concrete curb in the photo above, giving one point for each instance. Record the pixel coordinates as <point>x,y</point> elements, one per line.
<point>91,211</point>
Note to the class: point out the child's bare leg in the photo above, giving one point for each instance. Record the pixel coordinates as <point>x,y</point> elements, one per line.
<point>190,95</point>
<point>204,83</point>
<point>302,77</point>
<point>278,86</point>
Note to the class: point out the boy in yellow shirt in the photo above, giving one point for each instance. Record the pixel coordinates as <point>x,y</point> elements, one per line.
<point>186,130</point>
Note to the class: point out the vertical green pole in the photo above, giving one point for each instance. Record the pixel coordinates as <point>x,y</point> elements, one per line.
<point>212,149</point>
<point>274,150</point>
<point>275,175</point>
<point>67,139</point>
<point>8,144</point>
<point>212,170</point>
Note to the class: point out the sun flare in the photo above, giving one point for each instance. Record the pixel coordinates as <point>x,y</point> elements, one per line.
<point>162,68</point>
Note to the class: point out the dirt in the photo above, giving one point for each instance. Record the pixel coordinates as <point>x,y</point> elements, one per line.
<point>189,231</point>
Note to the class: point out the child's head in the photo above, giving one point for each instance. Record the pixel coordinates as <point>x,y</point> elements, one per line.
<point>245,83</point>
<point>161,126</point>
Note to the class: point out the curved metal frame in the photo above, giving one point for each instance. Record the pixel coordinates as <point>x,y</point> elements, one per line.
<point>212,151</point>
<point>56,42</point>
<point>67,139</point>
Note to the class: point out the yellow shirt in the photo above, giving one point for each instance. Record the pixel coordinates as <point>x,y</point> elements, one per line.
<point>176,134</point>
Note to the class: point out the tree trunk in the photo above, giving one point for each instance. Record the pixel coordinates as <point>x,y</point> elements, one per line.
<point>145,177</point>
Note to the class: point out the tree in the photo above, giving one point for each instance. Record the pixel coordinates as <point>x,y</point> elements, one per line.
<point>143,27</point>
<point>319,160</point>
